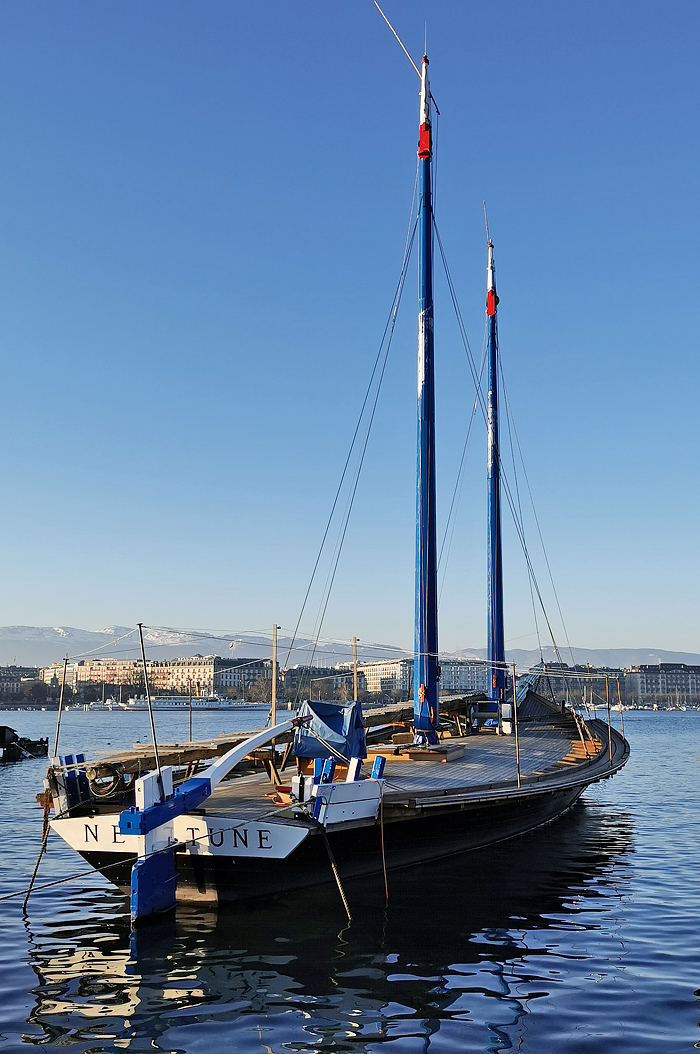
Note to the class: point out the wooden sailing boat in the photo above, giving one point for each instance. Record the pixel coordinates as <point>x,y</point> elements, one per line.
<point>168,823</point>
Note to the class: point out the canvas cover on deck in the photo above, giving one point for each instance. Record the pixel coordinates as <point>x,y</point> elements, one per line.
<point>339,724</point>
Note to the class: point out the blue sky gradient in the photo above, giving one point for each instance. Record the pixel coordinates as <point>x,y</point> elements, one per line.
<point>204,209</point>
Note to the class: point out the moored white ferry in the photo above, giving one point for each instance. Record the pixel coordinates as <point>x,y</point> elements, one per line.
<point>182,702</point>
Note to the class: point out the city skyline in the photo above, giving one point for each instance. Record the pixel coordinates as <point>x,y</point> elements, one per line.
<point>205,213</point>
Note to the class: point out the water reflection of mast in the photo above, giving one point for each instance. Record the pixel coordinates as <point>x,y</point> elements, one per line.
<point>501,1038</point>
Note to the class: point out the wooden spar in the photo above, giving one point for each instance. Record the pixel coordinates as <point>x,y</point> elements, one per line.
<point>148,700</point>
<point>590,681</point>
<point>607,700</point>
<point>354,668</point>
<point>273,708</point>
<point>515,729</point>
<point>619,700</point>
<point>60,706</point>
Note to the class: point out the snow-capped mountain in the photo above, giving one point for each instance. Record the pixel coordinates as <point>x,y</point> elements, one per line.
<point>42,645</point>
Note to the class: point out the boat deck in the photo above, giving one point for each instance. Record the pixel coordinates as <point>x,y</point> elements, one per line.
<point>549,758</point>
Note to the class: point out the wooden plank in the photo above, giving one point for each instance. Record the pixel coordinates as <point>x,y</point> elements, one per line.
<point>439,754</point>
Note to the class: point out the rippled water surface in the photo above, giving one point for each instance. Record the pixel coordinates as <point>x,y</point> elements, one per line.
<point>580,937</point>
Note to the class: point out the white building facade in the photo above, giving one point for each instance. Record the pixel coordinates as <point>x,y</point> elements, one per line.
<point>200,674</point>
<point>665,682</point>
<point>462,675</point>
<point>456,675</point>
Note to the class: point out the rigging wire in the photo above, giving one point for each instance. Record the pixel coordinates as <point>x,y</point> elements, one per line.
<point>456,495</point>
<point>363,450</point>
<point>305,645</point>
<point>509,421</point>
<point>537,524</point>
<point>392,314</point>
<point>384,346</point>
<point>101,647</point>
<point>519,527</point>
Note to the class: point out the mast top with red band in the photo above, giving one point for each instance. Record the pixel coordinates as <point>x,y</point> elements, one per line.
<point>425,142</point>
<point>491,298</point>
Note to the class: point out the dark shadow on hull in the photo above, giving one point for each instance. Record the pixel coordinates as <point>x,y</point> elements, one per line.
<point>423,839</point>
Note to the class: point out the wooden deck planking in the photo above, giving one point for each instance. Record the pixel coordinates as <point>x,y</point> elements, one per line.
<point>487,760</point>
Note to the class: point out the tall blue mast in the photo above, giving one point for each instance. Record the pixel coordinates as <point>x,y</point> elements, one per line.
<point>425,663</point>
<point>496,645</point>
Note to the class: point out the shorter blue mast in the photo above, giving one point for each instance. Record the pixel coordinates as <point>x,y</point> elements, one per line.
<point>496,645</point>
<point>425,663</point>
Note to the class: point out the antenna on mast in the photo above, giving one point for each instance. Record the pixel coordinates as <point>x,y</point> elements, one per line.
<point>405,50</point>
<point>486,221</point>
<point>397,37</point>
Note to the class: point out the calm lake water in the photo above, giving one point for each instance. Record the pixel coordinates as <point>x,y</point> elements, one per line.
<point>580,937</point>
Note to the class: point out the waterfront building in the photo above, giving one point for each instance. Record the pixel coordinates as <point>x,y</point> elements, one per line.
<point>93,671</point>
<point>242,674</point>
<point>201,674</point>
<point>462,675</point>
<point>318,682</point>
<point>666,683</point>
<point>572,683</point>
<point>13,678</point>
<point>396,675</point>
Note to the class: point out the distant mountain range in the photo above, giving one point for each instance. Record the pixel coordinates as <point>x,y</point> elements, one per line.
<point>42,645</point>
<point>618,658</point>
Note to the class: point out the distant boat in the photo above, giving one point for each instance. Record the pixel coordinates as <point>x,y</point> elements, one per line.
<point>14,747</point>
<point>102,704</point>
<point>199,702</point>
<point>446,776</point>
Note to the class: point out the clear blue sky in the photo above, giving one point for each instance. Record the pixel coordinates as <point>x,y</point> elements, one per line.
<point>203,210</point>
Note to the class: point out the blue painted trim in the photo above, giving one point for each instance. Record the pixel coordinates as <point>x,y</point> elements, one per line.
<point>153,885</point>
<point>187,796</point>
<point>76,782</point>
<point>328,771</point>
<point>378,767</point>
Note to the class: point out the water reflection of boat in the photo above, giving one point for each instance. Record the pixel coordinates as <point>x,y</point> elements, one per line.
<point>378,979</point>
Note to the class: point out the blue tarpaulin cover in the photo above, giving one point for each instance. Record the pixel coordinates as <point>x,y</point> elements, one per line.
<point>340,724</point>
